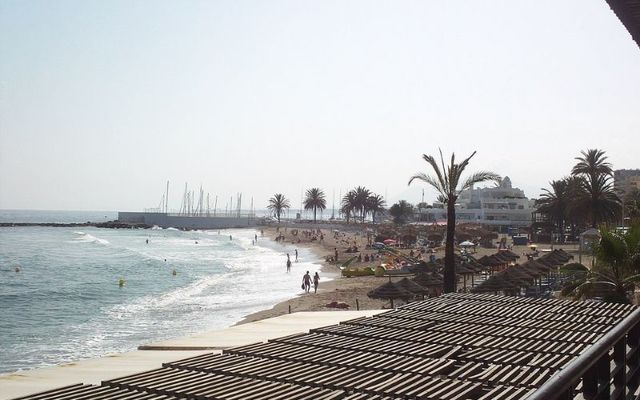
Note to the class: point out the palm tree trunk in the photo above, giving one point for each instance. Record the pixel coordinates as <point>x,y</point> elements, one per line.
<point>449,260</point>
<point>314,214</point>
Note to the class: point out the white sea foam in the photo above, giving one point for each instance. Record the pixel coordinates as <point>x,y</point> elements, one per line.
<point>88,238</point>
<point>217,282</point>
<point>165,300</point>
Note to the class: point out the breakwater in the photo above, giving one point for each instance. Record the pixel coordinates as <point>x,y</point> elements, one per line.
<point>107,224</point>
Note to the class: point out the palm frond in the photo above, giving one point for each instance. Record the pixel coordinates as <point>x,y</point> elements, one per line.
<point>569,268</point>
<point>477,177</point>
<point>632,279</point>
<point>428,179</point>
<point>439,173</point>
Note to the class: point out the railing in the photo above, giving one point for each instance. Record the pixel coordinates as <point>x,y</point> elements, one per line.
<point>610,369</point>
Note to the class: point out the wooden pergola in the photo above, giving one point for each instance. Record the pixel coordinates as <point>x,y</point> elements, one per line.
<point>628,11</point>
<point>453,347</point>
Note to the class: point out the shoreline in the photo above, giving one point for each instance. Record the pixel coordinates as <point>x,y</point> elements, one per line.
<point>352,291</point>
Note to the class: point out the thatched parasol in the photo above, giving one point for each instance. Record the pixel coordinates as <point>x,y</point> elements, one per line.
<point>428,280</point>
<point>496,283</point>
<point>390,291</point>
<point>509,254</point>
<point>412,287</point>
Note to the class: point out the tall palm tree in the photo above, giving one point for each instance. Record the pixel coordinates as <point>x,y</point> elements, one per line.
<point>448,183</point>
<point>375,205</point>
<point>401,212</point>
<point>361,195</point>
<point>593,163</point>
<point>314,200</point>
<point>277,204</point>
<point>559,203</point>
<point>348,205</point>
<point>600,200</point>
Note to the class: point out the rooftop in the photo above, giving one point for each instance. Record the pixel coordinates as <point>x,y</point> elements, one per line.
<point>453,347</point>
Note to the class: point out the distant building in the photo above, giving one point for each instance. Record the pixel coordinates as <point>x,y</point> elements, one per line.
<point>503,205</point>
<point>625,180</point>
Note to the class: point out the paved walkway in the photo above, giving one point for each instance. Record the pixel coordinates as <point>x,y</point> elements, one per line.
<point>152,356</point>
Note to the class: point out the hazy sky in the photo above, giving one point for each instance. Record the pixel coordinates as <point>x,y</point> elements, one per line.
<point>102,102</point>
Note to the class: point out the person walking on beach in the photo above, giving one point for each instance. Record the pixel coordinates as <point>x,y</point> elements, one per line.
<point>288,263</point>
<point>335,249</point>
<point>316,282</point>
<point>306,282</point>
<point>296,255</point>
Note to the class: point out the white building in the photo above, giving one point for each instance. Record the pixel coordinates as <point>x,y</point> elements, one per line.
<point>502,205</point>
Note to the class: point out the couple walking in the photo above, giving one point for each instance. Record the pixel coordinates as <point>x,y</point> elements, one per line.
<point>306,282</point>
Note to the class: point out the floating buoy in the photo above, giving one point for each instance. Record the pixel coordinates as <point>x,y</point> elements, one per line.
<point>17,269</point>
<point>121,282</point>
<point>174,272</point>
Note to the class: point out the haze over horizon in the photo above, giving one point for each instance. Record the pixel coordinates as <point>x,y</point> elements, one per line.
<point>102,102</point>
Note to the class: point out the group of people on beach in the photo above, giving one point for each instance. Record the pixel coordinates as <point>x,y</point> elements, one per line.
<point>307,280</point>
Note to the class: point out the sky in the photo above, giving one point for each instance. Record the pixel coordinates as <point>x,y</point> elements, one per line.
<point>103,102</point>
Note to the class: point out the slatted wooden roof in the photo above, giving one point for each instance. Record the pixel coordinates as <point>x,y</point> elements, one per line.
<point>628,11</point>
<point>454,347</point>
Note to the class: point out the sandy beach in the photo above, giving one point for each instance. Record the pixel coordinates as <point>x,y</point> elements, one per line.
<point>338,288</point>
<point>348,290</point>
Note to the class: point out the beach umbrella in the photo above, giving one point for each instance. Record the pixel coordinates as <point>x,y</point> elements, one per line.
<point>495,283</point>
<point>390,291</point>
<point>389,241</point>
<point>467,243</point>
<point>428,280</point>
<point>411,286</point>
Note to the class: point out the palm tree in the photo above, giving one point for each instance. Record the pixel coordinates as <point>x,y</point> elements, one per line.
<point>599,200</point>
<point>361,196</point>
<point>401,212</point>
<point>277,204</point>
<point>348,204</point>
<point>616,272</point>
<point>448,183</point>
<point>314,200</point>
<point>593,163</point>
<point>558,204</point>
<point>375,205</point>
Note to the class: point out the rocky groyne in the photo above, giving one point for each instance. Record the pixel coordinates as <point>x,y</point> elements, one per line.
<point>107,224</point>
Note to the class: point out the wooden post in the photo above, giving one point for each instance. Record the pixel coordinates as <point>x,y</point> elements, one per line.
<point>357,305</point>
<point>289,308</point>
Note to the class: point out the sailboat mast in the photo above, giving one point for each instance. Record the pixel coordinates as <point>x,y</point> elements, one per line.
<point>166,200</point>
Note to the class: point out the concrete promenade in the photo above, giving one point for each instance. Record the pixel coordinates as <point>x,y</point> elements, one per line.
<point>151,356</point>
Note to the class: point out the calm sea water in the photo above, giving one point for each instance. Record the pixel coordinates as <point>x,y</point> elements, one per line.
<point>65,303</point>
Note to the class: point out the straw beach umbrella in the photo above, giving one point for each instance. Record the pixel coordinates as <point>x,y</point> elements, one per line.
<point>390,291</point>
<point>412,287</point>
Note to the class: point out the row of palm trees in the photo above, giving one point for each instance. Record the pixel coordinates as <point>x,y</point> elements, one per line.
<point>360,202</point>
<point>357,203</point>
<point>584,198</point>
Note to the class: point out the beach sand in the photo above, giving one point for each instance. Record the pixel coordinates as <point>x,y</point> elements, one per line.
<point>347,290</point>
<point>339,289</point>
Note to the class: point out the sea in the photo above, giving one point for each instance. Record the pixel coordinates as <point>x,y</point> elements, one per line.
<point>74,293</point>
